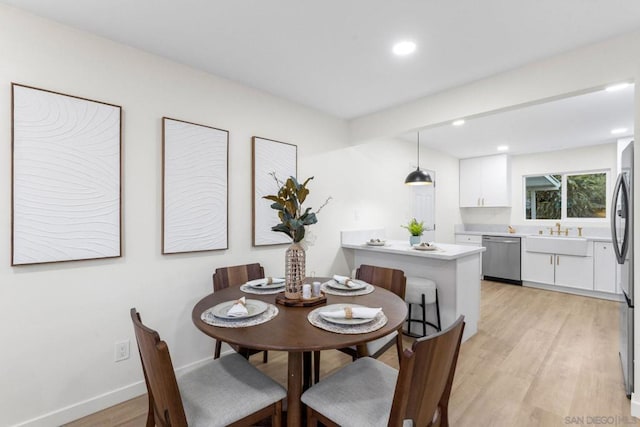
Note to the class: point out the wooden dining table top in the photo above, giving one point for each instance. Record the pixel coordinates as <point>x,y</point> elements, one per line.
<point>290,330</point>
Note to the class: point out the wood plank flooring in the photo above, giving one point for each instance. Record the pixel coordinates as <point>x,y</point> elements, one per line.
<point>540,358</point>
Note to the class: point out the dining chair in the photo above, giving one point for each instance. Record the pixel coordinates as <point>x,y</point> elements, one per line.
<point>371,393</point>
<point>227,391</point>
<point>391,279</point>
<point>394,281</point>
<point>237,275</point>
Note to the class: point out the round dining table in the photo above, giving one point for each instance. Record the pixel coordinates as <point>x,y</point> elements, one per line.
<point>292,332</point>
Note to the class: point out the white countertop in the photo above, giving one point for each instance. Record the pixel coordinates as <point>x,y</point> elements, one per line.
<point>444,251</point>
<point>493,233</point>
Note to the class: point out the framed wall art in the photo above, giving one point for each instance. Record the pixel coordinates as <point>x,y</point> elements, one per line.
<point>270,157</point>
<point>195,195</point>
<point>66,177</point>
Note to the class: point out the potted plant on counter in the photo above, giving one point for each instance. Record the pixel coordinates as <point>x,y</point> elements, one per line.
<point>416,229</point>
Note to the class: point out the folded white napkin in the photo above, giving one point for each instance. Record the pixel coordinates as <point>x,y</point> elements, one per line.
<point>238,309</point>
<point>353,313</point>
<point>344,280</point>
<point>264,281</point>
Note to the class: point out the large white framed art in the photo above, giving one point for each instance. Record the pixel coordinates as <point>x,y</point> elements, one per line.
<point>270,157</point>
<point>66,177</point>
<point>195,196</point>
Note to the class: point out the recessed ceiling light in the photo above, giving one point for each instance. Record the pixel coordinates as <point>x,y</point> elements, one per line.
<point>459,122</point>
<point>404,48</point>
<point>618,131</point>
<point>618,86</point>
<point>502,148</point>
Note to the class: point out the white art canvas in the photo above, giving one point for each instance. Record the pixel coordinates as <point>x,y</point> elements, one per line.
<point>66,177</point>
<point>195,187</point>
<point>269,157</point>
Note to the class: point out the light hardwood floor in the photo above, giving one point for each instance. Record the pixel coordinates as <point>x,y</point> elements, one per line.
<point>540,358</point>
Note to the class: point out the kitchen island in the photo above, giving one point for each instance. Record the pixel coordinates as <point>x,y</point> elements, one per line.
<point>455,269</point>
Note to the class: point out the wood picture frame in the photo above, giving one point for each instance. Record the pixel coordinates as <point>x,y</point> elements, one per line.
<point>66,180</point>
<point>195,199</point>
<point>269,156</point>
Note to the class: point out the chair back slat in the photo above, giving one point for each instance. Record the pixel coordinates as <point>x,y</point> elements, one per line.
<point>236,275</point>
<point>159,375</point>
<point>388,278</point>
<point>425,378</point>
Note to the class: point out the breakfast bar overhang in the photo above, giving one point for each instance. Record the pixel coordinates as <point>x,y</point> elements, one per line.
<point>456,270</point>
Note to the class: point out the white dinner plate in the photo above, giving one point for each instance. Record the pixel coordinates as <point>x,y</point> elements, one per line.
<point>355,285</point>
<point>425,248</point>
<point>254,307</point>
<point>342,321</point>
<point>271,286</point>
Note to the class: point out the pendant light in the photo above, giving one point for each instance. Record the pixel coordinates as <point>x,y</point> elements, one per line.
<point>418,177</point>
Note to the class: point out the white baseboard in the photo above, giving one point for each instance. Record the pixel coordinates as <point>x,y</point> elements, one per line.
<point>86,407</point>
<point>574,291</point>
<point>98,403</point>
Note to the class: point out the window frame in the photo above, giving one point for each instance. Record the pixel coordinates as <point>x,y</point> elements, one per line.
<point>563,196</point>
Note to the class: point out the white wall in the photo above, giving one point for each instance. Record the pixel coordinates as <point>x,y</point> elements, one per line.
<point>373,193</point>
<point>60,321</point>
<point>597,157</point>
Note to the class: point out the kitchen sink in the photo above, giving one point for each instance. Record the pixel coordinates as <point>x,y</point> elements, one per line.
<point>558,245</point>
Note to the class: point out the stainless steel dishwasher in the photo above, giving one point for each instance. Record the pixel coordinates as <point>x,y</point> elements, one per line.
<point>501,261</point>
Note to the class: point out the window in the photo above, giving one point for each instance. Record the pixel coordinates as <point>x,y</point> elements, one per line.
<point>566,196</point>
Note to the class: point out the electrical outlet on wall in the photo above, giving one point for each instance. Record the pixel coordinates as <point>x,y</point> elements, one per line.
<point>121,350</point>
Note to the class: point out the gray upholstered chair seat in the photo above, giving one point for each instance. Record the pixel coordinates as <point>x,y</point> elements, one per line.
<point>240,389</point>
<point>359,395</point>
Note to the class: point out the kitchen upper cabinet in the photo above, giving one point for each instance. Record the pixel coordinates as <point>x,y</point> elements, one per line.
<point>485,182</point>
<point>604,267</point>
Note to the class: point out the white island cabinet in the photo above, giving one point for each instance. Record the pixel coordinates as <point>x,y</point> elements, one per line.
<point>454,268</point>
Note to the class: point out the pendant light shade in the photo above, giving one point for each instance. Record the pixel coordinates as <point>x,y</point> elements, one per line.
<point>418,177</point>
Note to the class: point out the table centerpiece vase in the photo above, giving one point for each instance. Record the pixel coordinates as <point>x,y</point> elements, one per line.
<point>295,263</point>
<point>293,222</point>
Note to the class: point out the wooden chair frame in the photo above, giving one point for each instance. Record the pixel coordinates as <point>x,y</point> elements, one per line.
<point>422,391</point>
<point>237,275</point>
<point>387,278</point>
<point>165,403</point>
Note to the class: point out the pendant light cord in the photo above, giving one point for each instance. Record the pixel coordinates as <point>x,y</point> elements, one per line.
<point>418,150</point>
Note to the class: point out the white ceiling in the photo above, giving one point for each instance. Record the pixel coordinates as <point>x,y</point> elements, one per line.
<point>334,55</point>
<point>575,121</point>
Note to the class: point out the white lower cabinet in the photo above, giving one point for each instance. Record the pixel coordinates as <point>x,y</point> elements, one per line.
<point>556,269</point>
<point>574,271</point>
<point>594,272</point>
<point>604,267</point>
<point>538,267</point>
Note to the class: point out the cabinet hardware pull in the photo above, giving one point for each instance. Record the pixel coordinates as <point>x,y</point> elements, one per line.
<point>557,259</point>
<point>551,259</point>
